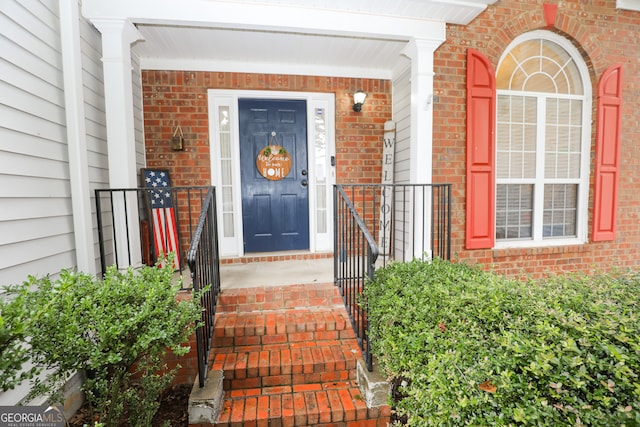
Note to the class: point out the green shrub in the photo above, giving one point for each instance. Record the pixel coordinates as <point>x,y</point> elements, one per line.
<point>474,348</point>
<point>116,330</point>
<point>15,318</point>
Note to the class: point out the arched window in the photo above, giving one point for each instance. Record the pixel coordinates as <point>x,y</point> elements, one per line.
<point>543,133</point>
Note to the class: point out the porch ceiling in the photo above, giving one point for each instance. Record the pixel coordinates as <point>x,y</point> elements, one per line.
<point>356,38</point>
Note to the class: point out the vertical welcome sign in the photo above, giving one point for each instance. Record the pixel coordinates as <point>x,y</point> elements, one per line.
<point>386,198</point>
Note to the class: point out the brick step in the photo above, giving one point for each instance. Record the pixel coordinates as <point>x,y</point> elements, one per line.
<point>288,357</point>
<point>335,404</point>
<point>287,366</point>
<point>279,341</point>
<point>280,329</point>
<point>246,300</point>
<point>279,322</point>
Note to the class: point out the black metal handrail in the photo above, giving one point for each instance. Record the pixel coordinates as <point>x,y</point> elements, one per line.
<point>379,223</point>
<point>204,264</point>
<point>357,253</point>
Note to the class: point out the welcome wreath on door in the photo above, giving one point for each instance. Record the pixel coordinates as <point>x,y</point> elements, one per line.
<point>273,161</point>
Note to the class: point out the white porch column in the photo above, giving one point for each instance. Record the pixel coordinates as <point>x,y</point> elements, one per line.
<point>117,37</point>
<point>421,153</point>
<point>421,54</point>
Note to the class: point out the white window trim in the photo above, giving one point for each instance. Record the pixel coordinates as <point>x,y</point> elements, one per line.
<point>233,246</point>
<point>582,220</point>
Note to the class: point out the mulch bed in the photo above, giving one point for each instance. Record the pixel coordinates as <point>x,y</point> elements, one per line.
<point>173,410</point>
<point>396,395</point>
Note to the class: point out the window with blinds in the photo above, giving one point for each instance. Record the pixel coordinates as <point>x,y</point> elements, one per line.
<point>540,143</point>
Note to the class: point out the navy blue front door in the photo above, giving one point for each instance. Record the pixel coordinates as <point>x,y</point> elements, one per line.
<point>275,211</point>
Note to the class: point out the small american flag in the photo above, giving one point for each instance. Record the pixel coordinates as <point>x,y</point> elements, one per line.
<point>165,233</point>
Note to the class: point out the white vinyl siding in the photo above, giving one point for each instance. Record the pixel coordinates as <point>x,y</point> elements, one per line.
<point>36,209</point>
<point>34,179</point>
<point>95,118</point>
<point>36,222</point>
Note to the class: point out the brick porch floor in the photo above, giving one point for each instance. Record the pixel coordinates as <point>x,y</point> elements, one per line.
<point>288,354</point>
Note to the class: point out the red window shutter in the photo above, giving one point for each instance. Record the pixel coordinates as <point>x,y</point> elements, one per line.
<point>607,154</point>
<point>481,103</point>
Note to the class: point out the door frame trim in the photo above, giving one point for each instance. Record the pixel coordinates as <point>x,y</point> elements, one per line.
<point>228,98</point>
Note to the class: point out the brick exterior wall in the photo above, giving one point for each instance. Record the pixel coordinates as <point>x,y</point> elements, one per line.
<point>605,36</point>
<point>172,97</point>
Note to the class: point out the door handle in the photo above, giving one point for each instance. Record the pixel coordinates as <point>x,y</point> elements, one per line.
<point>304,182</point>
<point>304,172</point>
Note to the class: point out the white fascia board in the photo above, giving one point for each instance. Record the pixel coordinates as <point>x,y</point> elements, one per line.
<point>225,14</point>
<point>262,68</point>
<point>628,4</point>
<point>462,12</point>
<point>477,4</point>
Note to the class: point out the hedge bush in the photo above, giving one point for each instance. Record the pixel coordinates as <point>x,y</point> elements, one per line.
<point>475,348</point>
<point>15,318</point>
<point>116,330</point>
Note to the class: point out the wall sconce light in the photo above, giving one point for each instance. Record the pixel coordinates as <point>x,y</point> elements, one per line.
<point>358,100</point>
